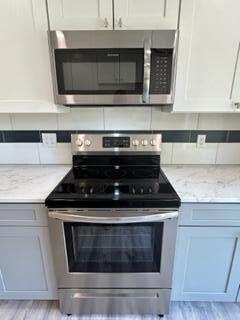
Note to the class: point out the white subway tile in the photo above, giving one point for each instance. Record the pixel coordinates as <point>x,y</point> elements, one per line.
<point>189,153</point>
<point>19,153</point>
<point>5,122</point>
<point>61,154</point>
<point>34,121</point>
<point>228,153</point>
<point>81,119</point>
<point>208,121</point>
<point>173,121</point>
<point>127,118</point>
<point>166,153</point>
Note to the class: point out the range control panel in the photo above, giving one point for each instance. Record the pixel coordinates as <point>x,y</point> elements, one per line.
<point>116,142</point>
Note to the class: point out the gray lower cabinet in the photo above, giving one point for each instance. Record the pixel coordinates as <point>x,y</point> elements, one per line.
<point>207,259</point>
<point>26,267</point>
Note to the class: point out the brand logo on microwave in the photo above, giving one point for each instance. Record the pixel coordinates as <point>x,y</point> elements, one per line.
<point>113,55</point>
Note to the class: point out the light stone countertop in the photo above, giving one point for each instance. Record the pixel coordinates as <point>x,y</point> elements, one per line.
<point>29,183</point>
<point>205,183</point>
<point>193,183</point>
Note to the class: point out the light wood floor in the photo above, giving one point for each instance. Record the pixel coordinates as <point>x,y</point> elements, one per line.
<point>48,310</point>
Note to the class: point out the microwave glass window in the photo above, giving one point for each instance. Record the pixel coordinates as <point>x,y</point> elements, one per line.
<point>100,71</point>
<point>113,248</point>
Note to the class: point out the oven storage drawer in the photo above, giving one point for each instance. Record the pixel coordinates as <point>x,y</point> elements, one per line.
<point>114,301</point>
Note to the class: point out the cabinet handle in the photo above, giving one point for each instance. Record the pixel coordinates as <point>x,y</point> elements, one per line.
<point>236,105</point>
<point>120,23</point>
<point>105,23</point>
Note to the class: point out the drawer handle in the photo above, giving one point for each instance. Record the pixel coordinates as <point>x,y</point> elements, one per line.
<point>80,295</point>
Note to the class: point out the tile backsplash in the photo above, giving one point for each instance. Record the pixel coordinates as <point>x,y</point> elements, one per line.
<point>20,134</point>
<point>120,118</point>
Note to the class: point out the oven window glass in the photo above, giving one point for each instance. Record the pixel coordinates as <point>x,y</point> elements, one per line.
<point>99,71</point>
<point>113,248</point>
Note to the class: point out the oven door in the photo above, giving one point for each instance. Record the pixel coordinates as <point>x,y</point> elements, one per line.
<point>113,249</point>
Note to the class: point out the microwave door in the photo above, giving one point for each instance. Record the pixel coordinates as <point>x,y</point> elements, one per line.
<point>106,74</point>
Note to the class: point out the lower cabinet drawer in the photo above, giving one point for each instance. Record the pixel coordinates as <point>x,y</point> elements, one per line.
<point>20,214</point>
<point>114,301</point>
<point>207,214</point>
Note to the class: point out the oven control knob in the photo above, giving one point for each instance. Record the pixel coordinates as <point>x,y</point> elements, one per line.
<point>144,142</point>
<point>135,142</point>
<point>87,143</point>
<point>79,142</point>
<point>153,142</point>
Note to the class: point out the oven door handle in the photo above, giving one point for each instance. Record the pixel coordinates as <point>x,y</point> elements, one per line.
<point>72,217</point>
<point>146,70</point>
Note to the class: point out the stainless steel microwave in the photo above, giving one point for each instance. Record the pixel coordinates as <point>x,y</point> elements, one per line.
<point>113,67</point>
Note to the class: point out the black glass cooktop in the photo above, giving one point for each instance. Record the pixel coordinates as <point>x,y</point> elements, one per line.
<point>110,181</point>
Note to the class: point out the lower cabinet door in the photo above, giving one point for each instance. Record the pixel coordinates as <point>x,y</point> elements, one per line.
<point>26,268</point>
<point>207,264</point>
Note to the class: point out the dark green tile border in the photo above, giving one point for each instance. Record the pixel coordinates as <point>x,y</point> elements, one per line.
<point>21,136</point>
<point>233,136</point>
<point>212,136</point>
<point>170,136</point>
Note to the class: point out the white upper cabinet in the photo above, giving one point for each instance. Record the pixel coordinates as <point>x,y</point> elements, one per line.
<point>80,14</point>
<point>25,79</point>
<point>146,14</point>
<point>99,14</point>
<point>208,74</point>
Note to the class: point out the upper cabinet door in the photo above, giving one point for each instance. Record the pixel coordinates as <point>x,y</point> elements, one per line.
<point>208,67</point>
<point>25,78</point>
<point>80,14</point>
<point>146,14</point>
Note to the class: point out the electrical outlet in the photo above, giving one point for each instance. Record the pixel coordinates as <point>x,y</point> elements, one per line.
<point>201,140</point>
<point>49,140</point>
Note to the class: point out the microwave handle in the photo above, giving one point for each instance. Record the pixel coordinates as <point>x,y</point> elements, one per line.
<point>71,217</point>
<point>146,70</point>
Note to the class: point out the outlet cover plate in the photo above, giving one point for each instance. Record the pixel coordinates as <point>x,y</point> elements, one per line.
<point>49,140</point>
<point>201,140</point>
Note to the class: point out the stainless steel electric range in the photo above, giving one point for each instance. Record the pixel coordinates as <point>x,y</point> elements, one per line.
<point>113,223</point>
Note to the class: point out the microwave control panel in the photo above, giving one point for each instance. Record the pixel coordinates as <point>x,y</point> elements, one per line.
<point>161,71</point>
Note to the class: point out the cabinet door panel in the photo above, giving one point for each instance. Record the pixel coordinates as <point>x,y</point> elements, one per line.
<point>80,14</point>
<point>25,80</point>
<point>146,14</point>
<point>206,264</point>
<point>26,264</point>
<point>208,46</point>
